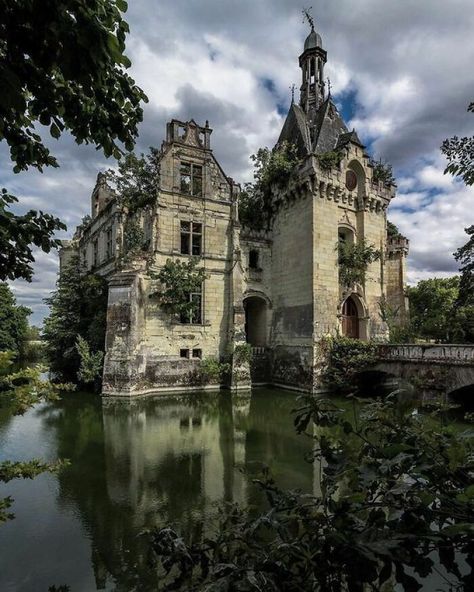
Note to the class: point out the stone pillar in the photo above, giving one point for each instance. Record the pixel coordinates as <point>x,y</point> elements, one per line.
<point>124,366</point>
<point>240,366</point>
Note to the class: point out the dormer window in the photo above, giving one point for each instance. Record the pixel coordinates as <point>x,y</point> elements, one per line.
<point>191,179</point>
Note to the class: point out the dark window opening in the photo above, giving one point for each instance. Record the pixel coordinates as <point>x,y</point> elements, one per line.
<point>191,238</point>
<point>197,353</point>
<point>191,179</point>
<point>253,259</point>
<point>184,353</point>
<point>193,316</point>
<point>96,253</point>
<point>109,245</point>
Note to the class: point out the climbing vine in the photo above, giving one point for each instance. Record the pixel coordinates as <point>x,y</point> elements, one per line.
<point>354,259</point>
<point>179,280</point>
<point>272,169</point>
<point>243,354</point>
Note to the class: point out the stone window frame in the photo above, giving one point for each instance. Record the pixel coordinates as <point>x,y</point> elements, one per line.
<point>95,252</point>
<point>191,176</point>
<point>196,318</point>
<point>109,243</point>
<point>193,236</point>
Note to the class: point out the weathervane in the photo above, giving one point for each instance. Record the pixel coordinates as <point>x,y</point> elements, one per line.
<point>308,17</point>
<point>292,88</point>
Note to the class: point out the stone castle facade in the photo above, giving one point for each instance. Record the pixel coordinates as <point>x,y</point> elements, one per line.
<point>277,289</point>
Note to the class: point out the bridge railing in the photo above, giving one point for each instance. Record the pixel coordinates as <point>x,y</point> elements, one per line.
<point>449,354</point>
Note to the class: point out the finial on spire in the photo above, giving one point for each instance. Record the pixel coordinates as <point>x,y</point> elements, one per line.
<point>329,87</point>
<point>292,88</point>
<point>307,16</point>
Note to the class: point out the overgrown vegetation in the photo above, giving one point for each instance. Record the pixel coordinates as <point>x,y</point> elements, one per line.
<point>330,160</point>
<point>134,241</point>
<point>382,172</point>
<point>272,170</point>
<point>344,359</point>
<point>137,180</point>
<point>392,230</point>
<point>354,259</point>
<point>78,307</point>
<point>13,322</point>
<point>91,363</point>
<point>459,153</point>
<point>243,353</point>
<point>179,280</point>
<point>399,330</point>
<point>212,370</point>
<point>395,505</point>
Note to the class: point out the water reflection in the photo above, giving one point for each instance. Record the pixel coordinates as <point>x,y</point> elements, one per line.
<point>150,463</point>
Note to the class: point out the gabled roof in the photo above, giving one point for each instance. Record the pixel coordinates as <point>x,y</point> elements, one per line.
<point>328,127</point>
<point>295,130</point>
<point>350,137</point>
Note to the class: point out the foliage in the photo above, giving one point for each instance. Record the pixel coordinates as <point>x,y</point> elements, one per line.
<point>396,503</point>
<point>392,230</point>
<point>431,307</point>
<point>19,233</point>
<point>460,155</point>
<point>90,369</point>
<point>13,321</point>
<point>19,391</point>
<point>345,358</point>
<point>382,171</point>
<point>44,82</point>
<point>211,370</point>
<point>179,279</point>
<point>354,259</point>
<point>78,307</point>
<point>133,238</point>
<point>136,181</point>
<point>272,170</point>
<point>465,256</point>
<point>329,160</point>
<point>243,353</point>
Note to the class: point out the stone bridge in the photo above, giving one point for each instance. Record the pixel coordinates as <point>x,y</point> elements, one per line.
<point>434,369</point>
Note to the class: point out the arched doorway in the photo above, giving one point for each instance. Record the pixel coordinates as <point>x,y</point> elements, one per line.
<point>350,319</point>
<point>256,321</point>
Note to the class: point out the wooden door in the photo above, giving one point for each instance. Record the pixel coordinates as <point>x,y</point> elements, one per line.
<point>350,319</point>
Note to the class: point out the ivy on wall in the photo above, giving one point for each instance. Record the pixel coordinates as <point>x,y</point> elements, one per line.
<point>178,281</point>
<point>354,259</point>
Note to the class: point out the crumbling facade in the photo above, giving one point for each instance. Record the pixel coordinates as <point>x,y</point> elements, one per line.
<point>277,288</point>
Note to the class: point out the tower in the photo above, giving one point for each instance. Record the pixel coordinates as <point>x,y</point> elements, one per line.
<point>312,62</point>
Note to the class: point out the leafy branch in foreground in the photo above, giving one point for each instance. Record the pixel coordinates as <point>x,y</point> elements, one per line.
<point>460,155</point>
<point>396,504</point>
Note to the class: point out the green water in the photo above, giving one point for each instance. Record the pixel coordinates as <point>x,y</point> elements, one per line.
<point>135,465</point>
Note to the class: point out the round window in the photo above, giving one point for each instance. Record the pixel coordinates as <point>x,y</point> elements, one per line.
<point>351,180</point>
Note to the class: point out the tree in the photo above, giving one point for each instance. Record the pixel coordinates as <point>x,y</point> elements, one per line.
<point>460,155</point>
<point>465,302</point>
<point>13,322</point>
<point>392,230</point>
<point>354,259</point>
<point>78,308</point>
<point>395,505</point>
<point>61,66</point>
<point>431,307</point>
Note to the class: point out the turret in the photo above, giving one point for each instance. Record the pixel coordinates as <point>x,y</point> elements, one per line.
<point>312,62</point>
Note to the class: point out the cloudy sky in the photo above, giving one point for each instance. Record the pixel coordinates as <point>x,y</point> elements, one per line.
<point>402,75</point>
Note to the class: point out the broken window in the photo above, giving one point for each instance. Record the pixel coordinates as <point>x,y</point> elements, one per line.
<point>253,259</point>
<point>191,179</point>
<point>184,353</point>
<point>191,238</point>
<point>95,258</point>
<point>193,316</point>
<point>109,244</point>
<point>197,353</point>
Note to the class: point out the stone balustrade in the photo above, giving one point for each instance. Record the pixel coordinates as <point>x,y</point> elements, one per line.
<point>436,353</point>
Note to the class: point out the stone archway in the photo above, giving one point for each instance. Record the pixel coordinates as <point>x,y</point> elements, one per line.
<point>354,318</point>
<point>256,321</point>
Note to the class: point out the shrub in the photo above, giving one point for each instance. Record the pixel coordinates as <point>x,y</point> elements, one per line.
<point>211,370</point>
<point>243,353</point>
<point>383,172</point>
<point>345,358</point>
<point>330,160</point>
<point>354,259</point>
<point>90,369</point>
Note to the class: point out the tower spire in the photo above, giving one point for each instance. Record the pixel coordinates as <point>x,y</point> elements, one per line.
<point>312,62</point>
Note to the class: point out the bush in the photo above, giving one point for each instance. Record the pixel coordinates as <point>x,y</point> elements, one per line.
<point>90,369</point>
<point>212,371</point>
<point>354,259</point>
<point>345,358</point>
<point>330,160</point>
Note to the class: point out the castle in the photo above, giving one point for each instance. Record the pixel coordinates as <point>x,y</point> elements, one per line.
<point>277,288</point>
